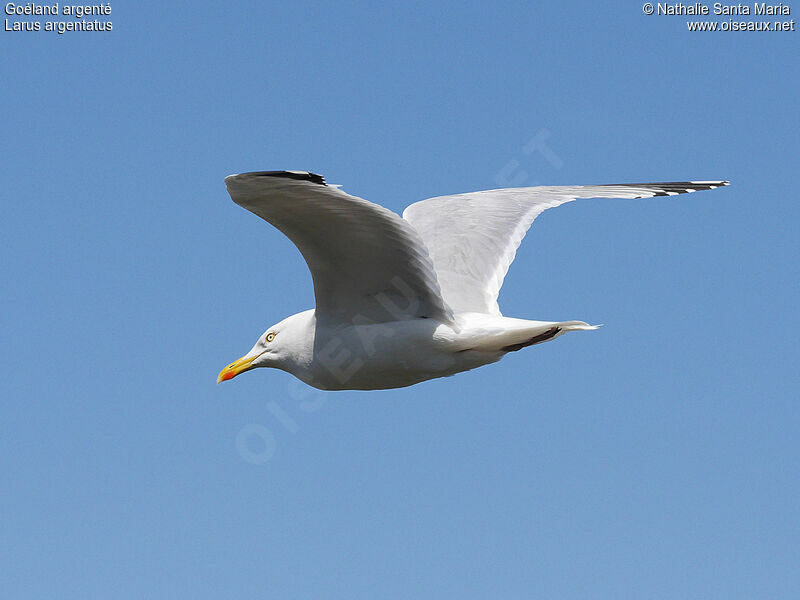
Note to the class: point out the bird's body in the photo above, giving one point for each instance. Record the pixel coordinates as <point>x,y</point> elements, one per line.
<point>403,300</point>
<point>394,354</point>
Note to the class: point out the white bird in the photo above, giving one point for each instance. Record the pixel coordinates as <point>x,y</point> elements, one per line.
<point>403,300</point>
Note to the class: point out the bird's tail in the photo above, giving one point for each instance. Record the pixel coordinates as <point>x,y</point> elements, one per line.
<point>544,333</point>
<point>577,326</point>
<point>504,334</point>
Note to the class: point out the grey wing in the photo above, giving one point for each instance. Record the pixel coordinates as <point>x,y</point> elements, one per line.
<point>367,263</point>
<point>473,238</point>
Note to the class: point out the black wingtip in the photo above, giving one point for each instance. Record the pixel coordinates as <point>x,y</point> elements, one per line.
<point>298,175</point>
<point>673,188</point>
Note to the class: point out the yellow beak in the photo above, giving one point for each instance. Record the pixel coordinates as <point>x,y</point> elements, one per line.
<point>236,367</point>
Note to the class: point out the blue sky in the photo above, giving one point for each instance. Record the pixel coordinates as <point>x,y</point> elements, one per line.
<point>654,458</point>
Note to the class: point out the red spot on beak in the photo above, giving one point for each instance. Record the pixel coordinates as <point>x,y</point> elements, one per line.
<point>227,375</point>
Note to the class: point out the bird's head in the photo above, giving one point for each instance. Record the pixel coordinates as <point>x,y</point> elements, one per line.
<point>277,347</point>
<point>263,354</point>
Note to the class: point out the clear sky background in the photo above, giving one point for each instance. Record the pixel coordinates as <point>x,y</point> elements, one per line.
<point>654,458</point>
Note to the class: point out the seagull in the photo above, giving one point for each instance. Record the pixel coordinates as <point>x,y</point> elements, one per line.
<point>401,300</point>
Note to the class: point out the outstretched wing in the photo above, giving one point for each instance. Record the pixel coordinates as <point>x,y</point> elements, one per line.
<point>367,264</point>
<point>472,238</point>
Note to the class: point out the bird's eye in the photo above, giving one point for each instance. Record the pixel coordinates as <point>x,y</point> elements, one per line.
<point>270,336</point>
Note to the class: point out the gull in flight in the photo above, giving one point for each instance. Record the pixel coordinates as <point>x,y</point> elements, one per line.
<point>401,300</point>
